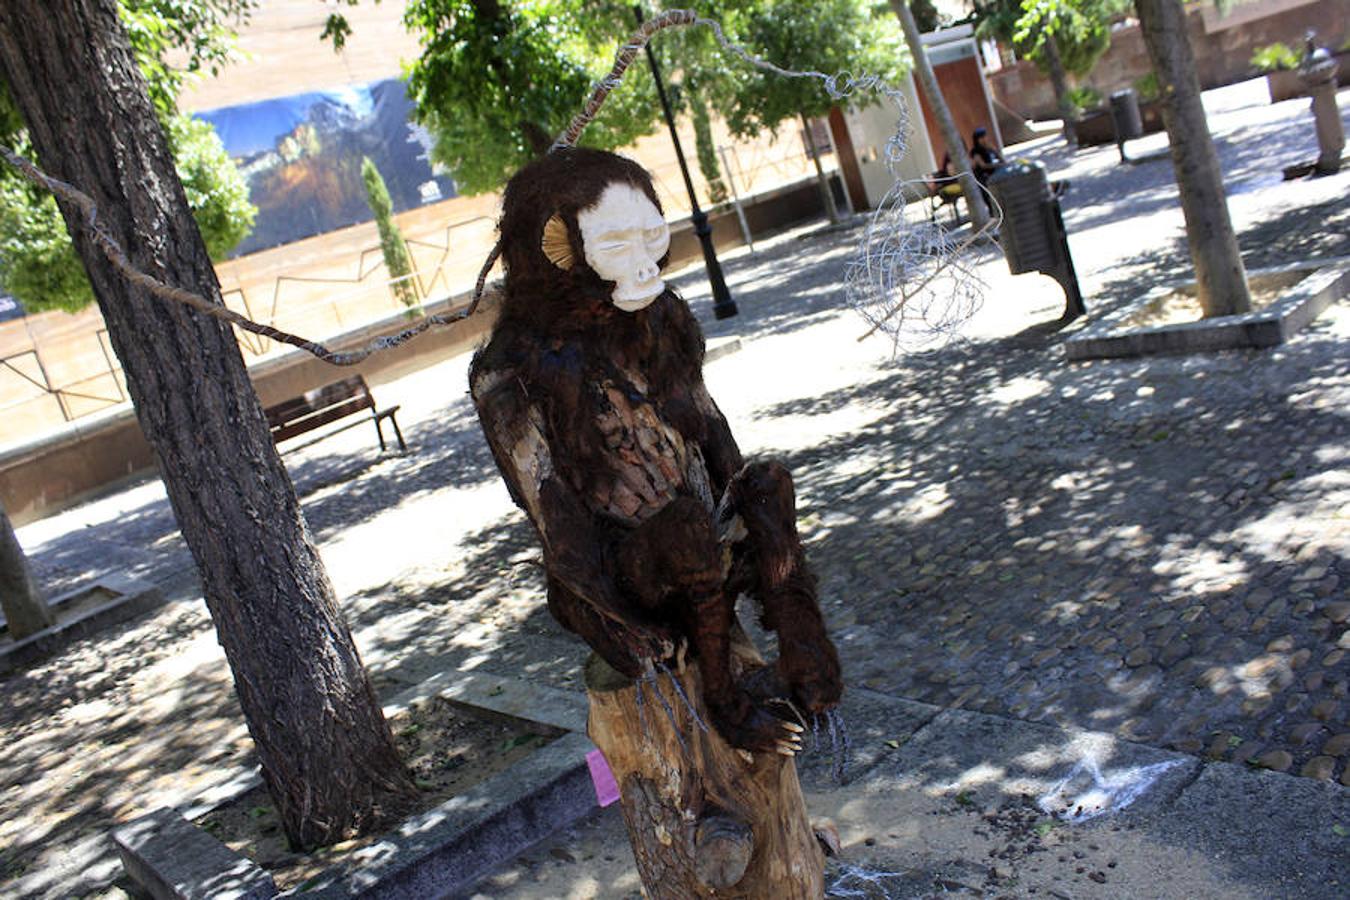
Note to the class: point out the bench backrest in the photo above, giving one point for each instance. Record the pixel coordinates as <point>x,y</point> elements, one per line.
<point>318,407</point>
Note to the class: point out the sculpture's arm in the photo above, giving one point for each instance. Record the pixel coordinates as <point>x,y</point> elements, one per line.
<point>720,452</point>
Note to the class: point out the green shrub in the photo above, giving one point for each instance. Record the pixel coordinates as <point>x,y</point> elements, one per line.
<point>1148,88</point>
<point>1275,57</point>
<point>1085,98</point>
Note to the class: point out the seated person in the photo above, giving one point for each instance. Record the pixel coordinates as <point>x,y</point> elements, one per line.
<point>942,184</point>
<point>984,157</point>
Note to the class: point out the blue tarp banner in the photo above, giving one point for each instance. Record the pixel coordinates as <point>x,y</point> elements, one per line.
<point>302,157</point>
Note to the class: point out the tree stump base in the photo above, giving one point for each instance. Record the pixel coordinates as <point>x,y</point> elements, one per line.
<point>705,819</point>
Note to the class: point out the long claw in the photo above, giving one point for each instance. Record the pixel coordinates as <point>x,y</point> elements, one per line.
<point>794,727</point>
<point>786,750</point>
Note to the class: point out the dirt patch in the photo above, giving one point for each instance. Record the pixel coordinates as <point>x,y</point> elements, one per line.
<point>1183,306</point>
<point>448,749</point>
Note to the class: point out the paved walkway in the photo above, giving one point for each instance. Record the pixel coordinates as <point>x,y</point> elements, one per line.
<point>1155,549</point>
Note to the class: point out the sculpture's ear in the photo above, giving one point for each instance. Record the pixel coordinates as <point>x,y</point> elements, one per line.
<point>557,244</point>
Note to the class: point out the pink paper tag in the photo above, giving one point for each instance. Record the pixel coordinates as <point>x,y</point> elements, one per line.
<point>606,789</point>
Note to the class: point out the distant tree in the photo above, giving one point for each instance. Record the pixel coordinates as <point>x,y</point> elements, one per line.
<point>498,80</point>
<point>38,263</point>
<point>704,145</point>
<point>397,259</point>
<point>25,610</point>
<point>1065,38</point>
<point>1221,277</point>
<point>956,145</point>
<point>830,36</point>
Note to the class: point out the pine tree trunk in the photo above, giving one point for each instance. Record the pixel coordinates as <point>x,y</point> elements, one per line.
<point>326,753</point>
<point>25,610</point>
<point>705,820</point>
<point>826,194</point>
<point>979,211</point>
<point>1059,81</point>
<point>1221,279</point>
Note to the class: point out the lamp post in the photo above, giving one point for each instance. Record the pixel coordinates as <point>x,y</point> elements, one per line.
<point>723,306</point>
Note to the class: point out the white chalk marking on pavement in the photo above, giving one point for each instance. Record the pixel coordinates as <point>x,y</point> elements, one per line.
<point>1086,792</point>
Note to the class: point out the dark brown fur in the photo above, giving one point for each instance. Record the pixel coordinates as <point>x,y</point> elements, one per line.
<point>631,591</point>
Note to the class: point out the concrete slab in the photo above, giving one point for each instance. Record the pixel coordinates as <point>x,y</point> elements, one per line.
<point>1285,836</point>
<point>435,854</point>
<point>981,761</point>
<point>175,860</point>
<point>955,810</point>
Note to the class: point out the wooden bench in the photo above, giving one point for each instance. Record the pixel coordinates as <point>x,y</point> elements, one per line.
<point>327,404</point>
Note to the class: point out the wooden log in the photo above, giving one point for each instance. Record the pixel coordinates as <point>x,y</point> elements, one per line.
<point>704,819</point>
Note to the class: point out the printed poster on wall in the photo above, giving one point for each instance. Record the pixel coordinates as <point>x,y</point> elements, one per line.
<point>302,157</point>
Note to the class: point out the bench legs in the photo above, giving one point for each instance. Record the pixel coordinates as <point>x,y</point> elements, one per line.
<point>393,420</point>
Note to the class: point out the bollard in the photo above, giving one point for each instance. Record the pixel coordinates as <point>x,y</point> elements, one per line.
<point>1125,116</point>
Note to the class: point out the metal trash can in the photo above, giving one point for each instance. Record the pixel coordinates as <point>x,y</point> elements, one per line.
<point>1032,233</point>
<point>1125,115</point>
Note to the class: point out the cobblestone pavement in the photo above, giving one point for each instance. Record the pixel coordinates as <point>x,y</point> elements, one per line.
<point>1154,548</point>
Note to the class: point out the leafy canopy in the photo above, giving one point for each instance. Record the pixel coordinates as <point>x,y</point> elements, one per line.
<point>827,36</point>
<point>498,80</point>
<point>1081,28</point>
<point>38,262</point>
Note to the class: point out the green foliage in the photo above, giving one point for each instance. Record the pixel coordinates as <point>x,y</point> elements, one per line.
<point>215,188</point>
<point>1081,28</point>
<point>829,36</point>
<point>1275,57</point>
<point>1084,98</point>
<point>205,29</point>
<point>498,80</point>
<point>1148,88</point>
<point>38,262</point>
<point>705,147</point>
<point>397,259</point>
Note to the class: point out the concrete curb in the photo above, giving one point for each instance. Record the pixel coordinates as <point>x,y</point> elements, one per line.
<point>131,597</point>
<point>175,860</point>
<point>1328,282</point>
<point>438,853</point>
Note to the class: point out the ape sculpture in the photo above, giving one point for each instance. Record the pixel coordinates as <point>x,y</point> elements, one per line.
<point>591,394</point>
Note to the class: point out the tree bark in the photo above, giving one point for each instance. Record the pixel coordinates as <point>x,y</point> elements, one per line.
<point>1221,279</point>
<point>979,211</point>
<point>326,753</point>
<point>704,819</point>
<point>25,610</point>
<point>826,195</point>
<point>1059,81</point>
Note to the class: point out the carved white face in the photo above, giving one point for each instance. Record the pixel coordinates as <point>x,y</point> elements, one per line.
<point>624,236</point>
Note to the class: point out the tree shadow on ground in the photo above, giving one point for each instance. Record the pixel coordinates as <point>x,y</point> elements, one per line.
<point>1303,234</point>
<point>1108,545</point>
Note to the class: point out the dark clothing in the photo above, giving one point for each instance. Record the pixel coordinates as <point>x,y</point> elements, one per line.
<point>984,161</point>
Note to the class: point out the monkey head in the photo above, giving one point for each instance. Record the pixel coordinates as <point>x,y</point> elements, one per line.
<point>584,225</point>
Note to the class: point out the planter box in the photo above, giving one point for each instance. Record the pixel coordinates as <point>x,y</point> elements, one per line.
<point>438,853</point>
<point>1283,84</point>
<point>1314,287</point>
<point>1097,127</point>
